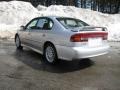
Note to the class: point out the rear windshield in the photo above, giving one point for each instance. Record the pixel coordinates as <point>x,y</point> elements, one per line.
<point>71,23</point>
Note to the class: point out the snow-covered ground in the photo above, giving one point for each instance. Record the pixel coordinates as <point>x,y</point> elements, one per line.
<point>16,13</point>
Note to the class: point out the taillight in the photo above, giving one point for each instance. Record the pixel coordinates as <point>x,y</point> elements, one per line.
<point>105,36</point>
<point>83,37</point>
<point>78,38</point>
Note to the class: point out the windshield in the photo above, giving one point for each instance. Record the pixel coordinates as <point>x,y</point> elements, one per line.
<point>71,23</point>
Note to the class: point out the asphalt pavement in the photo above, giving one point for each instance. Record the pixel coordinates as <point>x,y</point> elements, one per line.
<point>26,70</point>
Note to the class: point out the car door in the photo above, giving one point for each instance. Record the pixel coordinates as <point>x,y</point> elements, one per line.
<point>37,34</point>
<point>40,33</point>
<point>31,26</point>
<point>47,30</point>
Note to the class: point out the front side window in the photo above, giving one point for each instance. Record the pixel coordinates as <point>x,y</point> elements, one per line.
<point>32,25</point>
<point>71,23</point>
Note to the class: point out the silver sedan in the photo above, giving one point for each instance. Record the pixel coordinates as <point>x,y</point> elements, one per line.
<point>62,38</point>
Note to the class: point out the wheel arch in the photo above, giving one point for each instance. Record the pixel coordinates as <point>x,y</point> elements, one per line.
<point>44,46</point>
<point>48,42</point>
<point>16,35</point>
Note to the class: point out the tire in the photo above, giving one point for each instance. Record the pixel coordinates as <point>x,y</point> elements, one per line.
<point>18,42</point>
<point>50,54</point>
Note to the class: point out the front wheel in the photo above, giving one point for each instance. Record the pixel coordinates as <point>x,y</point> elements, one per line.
<point>18,42</point>
<point>50,54</point>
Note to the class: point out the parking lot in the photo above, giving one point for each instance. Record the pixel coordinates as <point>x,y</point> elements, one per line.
<point>26,70</point>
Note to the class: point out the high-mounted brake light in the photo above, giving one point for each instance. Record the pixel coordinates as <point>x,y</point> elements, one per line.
<point>83,37</point>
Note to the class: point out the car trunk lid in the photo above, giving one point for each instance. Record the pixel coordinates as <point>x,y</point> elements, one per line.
<point>91,35</point>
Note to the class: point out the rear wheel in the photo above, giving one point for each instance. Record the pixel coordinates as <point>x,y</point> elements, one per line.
<point>18,42</point>
<point>50,54</point>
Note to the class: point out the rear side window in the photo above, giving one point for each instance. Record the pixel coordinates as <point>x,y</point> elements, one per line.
<point>45,24</point>
<point>41,23</point>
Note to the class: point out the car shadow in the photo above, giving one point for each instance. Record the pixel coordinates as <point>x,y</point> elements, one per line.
<point>36,61</point>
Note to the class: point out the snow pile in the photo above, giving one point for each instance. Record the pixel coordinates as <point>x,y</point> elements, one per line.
<point>12,15</point>
<point>8,31</point>
<point>91,17</point>
<point>41,8</point>
<point>114,32</point>
<point>16,13</point>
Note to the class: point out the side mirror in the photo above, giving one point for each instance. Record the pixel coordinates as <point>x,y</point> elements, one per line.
<point>22,28</point>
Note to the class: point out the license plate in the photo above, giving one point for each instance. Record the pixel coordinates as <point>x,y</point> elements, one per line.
<point>93,42</point>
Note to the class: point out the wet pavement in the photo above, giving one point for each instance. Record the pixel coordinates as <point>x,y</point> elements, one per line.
<point>26,70</point>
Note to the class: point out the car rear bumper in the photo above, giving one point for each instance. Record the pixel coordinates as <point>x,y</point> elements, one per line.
<point>89,52</point>
<point>73,53</point>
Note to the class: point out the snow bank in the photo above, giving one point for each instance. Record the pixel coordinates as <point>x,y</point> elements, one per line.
<point>12,15</point>
<point>114,32</point>
<point>8,31</point>
<point>41,8</point>
<point>16,13</point>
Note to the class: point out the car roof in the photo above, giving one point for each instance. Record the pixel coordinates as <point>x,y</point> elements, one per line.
<point>53,17</point>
